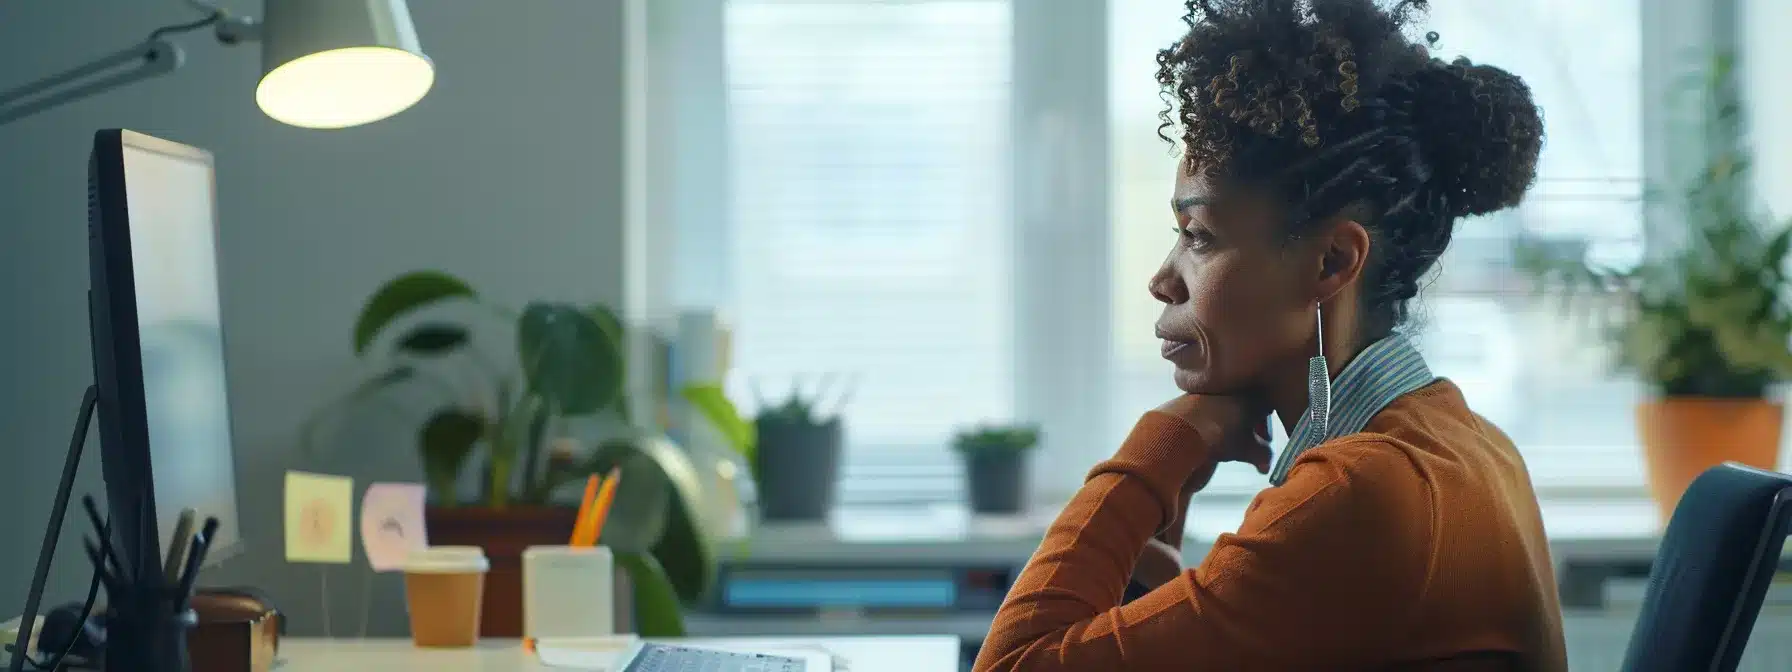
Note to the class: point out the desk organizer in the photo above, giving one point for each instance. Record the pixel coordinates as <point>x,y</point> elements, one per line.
<point>568,592</point>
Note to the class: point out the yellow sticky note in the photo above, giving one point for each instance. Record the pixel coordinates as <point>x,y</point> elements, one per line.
<point>317,517</point>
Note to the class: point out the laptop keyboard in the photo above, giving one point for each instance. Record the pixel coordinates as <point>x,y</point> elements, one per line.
<point>667,658</point>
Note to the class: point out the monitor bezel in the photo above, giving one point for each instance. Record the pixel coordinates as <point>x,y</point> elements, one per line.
<point>125,450</point>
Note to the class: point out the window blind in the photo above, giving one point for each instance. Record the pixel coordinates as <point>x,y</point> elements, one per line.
<point>871,242</point>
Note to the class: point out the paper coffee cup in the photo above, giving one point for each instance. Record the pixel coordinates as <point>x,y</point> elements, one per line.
<point>444,587</point>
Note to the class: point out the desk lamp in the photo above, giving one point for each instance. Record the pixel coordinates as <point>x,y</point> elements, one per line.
<point>325,63</point>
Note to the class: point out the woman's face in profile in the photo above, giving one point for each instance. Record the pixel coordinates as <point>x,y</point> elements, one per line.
<point>1237,293</point>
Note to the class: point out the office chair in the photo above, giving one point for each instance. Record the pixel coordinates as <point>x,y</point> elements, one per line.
<point>1717,558</point>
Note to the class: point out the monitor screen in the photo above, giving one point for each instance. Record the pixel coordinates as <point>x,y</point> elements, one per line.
<point>170,199</point>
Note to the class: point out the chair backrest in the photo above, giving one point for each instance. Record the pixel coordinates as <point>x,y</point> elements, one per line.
<point>1717,558</point>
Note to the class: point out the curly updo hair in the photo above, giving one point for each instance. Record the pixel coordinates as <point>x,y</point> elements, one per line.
<point>1332,107</point>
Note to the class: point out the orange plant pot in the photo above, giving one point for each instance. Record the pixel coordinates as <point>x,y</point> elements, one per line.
<point>1684,436</point>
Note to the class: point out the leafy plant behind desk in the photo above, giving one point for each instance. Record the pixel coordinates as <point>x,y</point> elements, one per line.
<point>1710,318</point>
<point>569,365</point>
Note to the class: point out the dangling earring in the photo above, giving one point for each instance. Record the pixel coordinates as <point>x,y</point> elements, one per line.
<point>1319,383</point>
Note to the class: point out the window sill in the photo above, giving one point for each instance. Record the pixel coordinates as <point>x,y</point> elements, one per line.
<point>1603,528</point>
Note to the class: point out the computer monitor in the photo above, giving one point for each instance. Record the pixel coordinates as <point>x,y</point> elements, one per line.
<point>164,416</point>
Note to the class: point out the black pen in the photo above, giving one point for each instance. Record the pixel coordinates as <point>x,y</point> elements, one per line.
<point>99,569</point>
<point>100,525</point>
<point>195,557</point>
<point>107,557</point>
<point>93,511</point>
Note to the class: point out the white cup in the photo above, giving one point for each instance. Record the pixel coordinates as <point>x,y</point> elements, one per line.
<point>568,591</point>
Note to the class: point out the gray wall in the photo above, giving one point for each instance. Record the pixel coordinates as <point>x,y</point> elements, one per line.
<point>511,173</point>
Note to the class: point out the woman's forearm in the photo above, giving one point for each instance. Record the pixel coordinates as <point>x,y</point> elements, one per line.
<point>1082,568</point>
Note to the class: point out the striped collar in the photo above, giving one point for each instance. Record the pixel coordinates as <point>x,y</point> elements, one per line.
<point>1386,370</point>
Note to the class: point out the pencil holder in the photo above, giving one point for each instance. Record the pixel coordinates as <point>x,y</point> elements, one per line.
<point>568,591</point>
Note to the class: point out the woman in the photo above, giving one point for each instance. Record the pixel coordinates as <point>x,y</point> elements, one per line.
<point>1326,160</point>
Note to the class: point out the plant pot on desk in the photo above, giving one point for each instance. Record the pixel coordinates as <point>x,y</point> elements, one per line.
<point>504,534</point>
<point>797,466</point>
<point>997,482</point>
<point>1684,436</point>
<point>995,465</point>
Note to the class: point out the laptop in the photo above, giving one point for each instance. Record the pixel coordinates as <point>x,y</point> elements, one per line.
<point>643,656</point>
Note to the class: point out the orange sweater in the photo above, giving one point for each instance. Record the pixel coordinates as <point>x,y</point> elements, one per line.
<point>1415,542</point>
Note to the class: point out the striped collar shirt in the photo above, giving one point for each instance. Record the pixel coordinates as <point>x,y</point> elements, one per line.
<point>1386,370</point>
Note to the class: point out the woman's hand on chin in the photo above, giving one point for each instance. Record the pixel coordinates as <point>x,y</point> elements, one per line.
<point>1243,432</point>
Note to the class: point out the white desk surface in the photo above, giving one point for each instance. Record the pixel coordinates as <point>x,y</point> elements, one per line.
<point>930,653</point>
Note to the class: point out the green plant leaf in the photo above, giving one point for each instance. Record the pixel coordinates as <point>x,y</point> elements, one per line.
<point>1774,256</point>
<point>568,358</point>
<point>433,339</point>
<point>401,295</point>
<point>445,442</point>
<point>658,509</point>
<point>606,318</point>
<point>506,440</point>
<point>612,324</point>
<point>535,441</point>
<point>712,402</point>
<point>657,609</point>
<point>512,430</point>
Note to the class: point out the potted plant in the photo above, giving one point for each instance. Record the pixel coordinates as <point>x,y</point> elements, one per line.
<point>796,457</point>
<point>509,425</point>
<point>1705,325</point>
<point>995,465</point>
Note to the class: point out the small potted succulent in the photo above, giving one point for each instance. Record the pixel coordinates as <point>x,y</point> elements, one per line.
<point>796,457</point>
<point>995,465</point>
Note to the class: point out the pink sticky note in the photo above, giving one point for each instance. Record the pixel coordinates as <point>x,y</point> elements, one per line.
<point>392,524</point>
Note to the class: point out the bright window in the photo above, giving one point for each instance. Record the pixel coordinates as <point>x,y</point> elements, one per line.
<point>1515,360</point>
<point>869,167</point>
<point>870,231</point>
<point>1769,99</point>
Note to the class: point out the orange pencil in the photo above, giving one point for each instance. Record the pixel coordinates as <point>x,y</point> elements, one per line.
<point>578,525</point>
<point>601,511</point>
<point>586,534</point>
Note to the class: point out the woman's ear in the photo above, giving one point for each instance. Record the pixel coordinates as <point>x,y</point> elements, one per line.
<point>1344,251</point>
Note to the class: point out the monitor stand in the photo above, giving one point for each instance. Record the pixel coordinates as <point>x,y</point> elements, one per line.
<point>146,620</point>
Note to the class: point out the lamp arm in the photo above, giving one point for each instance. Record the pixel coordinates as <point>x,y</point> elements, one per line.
<point>154,56</point>
<point>234,30</point>
<point>150,59</point>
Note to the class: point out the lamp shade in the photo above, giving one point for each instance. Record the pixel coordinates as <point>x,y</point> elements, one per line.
<point>339,63</point>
